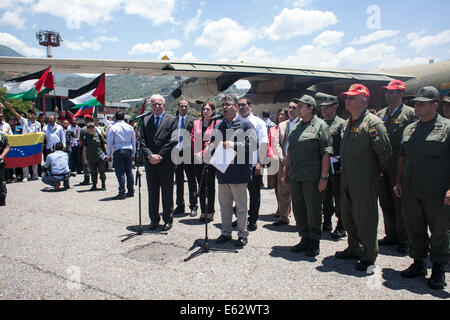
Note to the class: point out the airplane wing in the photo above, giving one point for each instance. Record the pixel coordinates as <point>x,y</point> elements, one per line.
<point>209,79</point>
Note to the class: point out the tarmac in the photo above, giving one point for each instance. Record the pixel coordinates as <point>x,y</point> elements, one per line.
<point>67,245</point>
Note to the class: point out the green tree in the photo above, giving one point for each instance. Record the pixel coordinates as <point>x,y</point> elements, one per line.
<point>18,104</point>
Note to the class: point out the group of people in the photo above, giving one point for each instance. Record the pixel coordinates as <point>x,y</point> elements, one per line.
<point>318,163</point>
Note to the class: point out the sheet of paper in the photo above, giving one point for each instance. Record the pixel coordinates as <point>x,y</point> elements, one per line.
<point>222,158</point>
<point>335,164</point>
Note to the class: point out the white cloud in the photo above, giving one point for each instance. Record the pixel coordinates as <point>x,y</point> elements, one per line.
<point>297,22</point>
<point>328,38</point>
<point>256,55</point>
<point>159,11</point>
<point>14,19</point>
<point>11,41</point>
<point>170,54</point>
<point>300,3</point>
<point>8,4</point>
<point>192,24</point>
<point>88,45</point>
<point>375,36</point>
<point>80,11</point>
<point>225,37</point>
<point>421,43</point>
<point>154,47</point>
<point>189,56</point>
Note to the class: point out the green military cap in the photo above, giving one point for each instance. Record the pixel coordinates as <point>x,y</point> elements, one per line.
<point>427,94</point>
<point>90,124</point>
<point>447,97</point>
<point>324,99</point>
<point>306,99</point>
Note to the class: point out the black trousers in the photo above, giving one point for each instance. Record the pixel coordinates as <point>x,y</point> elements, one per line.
<point>254,190</point>
<point>192,184</point>
<point>160,179</point>
<point>75,159</point>
<point>210,181</point>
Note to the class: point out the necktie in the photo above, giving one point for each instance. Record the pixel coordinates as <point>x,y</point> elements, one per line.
<point>182,126</point>
<point>157,122</point>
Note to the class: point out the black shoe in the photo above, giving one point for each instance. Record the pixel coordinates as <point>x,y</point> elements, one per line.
<point>252,226</point>
<point>93,188</point>
<point>387,242</point>
<point>327,226</point>
<point>417,269</point>
<point>194,211</point>
<point>363,265</point>
<point>85,182</point>
<point>338,234</point>
<point>280,223</point>
<point>2,202</point>
<point>241,242</point>
<point>223,239</point>
<point>130,195</point>
<point>402,248</point>
<point>234,224</point>
<point>313,249</point>
<point>153,225</point>
<point>120,196</point>
<point>179,210</point>
<point>103,186</point>
<point>167,226</point>
<point>346,255</point>
<point>437,279</point>
<point>301,247</point>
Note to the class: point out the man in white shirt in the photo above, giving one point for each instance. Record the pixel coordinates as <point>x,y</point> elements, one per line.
<point>54,133</point>
<point>254,187</point>
<point>29,125</point>
<point>122,138</point>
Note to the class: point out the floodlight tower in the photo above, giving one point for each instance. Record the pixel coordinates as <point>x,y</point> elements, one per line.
<point>49,39</point>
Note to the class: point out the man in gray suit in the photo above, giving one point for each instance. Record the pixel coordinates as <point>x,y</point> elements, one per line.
<point>281,143</point>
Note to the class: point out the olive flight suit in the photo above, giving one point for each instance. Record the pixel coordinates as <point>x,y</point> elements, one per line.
<point>365,152</point>
<point>308,143</point>
<point>395,124</point>
<point>334,184</point>
<point>425,181</point>
<point>94,149</point>
<point>83,134</point>
<point>3,145</point>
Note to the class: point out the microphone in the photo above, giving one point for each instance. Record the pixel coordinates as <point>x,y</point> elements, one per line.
<point>218,117</point>
<point>143,115</point>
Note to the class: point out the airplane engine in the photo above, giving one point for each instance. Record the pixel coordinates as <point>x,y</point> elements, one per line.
<point>199,89</point>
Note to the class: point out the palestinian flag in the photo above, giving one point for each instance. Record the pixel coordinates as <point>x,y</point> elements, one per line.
<point>31,86</point>
<point>89,96</point>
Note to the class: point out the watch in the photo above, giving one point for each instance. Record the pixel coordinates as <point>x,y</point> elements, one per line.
<point>324,178</point>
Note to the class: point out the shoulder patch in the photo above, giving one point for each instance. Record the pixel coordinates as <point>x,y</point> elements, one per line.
<point>373,132</point>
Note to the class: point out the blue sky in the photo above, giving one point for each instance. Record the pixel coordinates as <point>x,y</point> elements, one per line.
<point>367,35</point>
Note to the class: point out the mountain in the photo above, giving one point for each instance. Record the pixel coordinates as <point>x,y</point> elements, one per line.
<point>8,52</point>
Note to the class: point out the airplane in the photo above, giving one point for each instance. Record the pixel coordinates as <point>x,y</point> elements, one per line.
<point>272,87</point>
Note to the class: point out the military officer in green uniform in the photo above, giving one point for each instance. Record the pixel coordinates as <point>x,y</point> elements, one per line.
<point>94,155</point>
<point>307,165</point>
<point>365,153</point>
<point>396,116</point>
<point>328,105</point>
<point>83,134</point>
<point>4,149</point>
<point>423,183</point>
<point>446,107</point>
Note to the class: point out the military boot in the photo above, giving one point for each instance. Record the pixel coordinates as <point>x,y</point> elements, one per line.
<point>417,269</point>
<point>94,187</point>
<point>339,232</point>
<point>437,279</point>
<point>2,202</point>
<point>103,186</point>
<point>302,246</point>
<point>313,248</point>
<point>85,181</point>
<point>327,226</point>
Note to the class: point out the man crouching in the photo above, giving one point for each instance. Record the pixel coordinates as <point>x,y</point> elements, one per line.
<point>57,165</point>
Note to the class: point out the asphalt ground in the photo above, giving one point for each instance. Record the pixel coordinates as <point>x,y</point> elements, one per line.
<point>67,245</point>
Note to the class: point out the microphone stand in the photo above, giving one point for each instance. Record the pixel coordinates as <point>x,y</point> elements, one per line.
<point>204,245</point>
<point>138,230</point>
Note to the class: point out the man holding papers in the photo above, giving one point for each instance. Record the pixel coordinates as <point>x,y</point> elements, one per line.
<point>233,135</point>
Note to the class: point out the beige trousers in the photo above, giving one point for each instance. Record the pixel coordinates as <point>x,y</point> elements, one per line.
<point>284,196</point>
<point>227,194</point>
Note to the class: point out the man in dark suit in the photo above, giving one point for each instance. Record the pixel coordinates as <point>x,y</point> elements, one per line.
<point>184,124</point>
<point>157,142</point>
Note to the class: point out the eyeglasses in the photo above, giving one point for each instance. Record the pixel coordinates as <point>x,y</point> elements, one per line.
<point>229,104</point>
<point>242,104</point>
<point>393,91</point>
<point>157,104</point>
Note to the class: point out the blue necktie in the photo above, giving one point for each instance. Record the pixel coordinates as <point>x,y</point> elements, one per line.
<point>157,122</point>
<point>182,126</point>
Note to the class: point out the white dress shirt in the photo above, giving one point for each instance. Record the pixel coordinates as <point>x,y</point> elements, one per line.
<point>29,127</point>
<point>75,141</point>
<point>261,131</point>
<point>290,126</point>
<point>121,136</point>
<point>5,128</point>
<point>53,135</point>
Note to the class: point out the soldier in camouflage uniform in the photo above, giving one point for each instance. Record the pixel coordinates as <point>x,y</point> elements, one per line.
<point>328,105</point>
<point>423,183</point>
<point>94,153</point>
<point>4,149</point>
<point>83,134</point>
<point>396,116</point>
<point>365,152</point>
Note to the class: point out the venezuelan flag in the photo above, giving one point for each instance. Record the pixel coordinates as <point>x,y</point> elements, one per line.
<point>26,150</point>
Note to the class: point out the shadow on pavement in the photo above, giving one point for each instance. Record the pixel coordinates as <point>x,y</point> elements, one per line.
<point>345,267</point>
<point>285,253</point>
<point>394,281</point>
<point>285,228</point>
